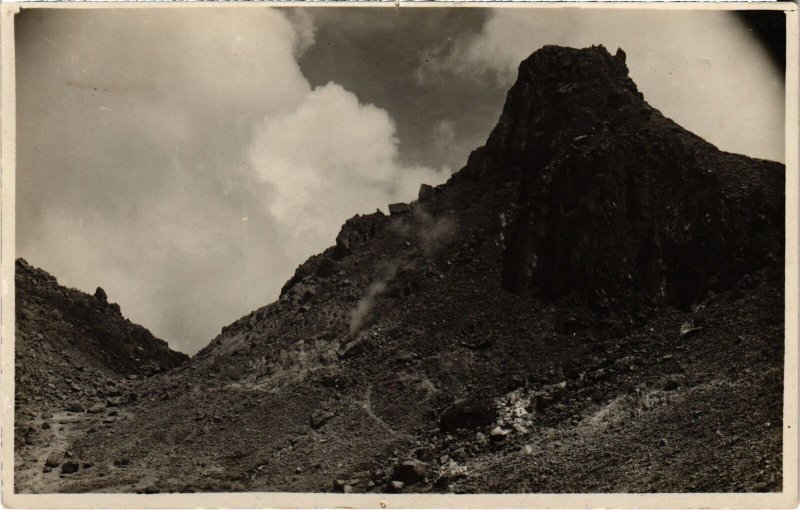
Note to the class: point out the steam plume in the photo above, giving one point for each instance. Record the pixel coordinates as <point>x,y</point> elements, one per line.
<point>365,305</point>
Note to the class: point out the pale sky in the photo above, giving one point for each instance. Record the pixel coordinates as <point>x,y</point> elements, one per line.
<point>187,160</point>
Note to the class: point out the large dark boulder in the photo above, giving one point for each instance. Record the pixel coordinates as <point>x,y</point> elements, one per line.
<point>471,413</point>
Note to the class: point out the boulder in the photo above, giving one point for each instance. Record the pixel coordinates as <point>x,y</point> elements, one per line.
<point>320,417</point>
<point>74,407</point>
<point>97,408</point>
<point>69,467</point>
<point>101,295</point>
<point>498,434</point>
<point>399,208</point>
<point>426,192</point>
<point>353,347</point>
<point>471,413</point>
<point>450,472</point>
<point>411,472</point>
<point>688,327</point>
<point>395,486</point>
<point>620,54</point>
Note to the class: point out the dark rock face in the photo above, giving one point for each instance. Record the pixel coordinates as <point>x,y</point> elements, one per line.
<point>358,230</point>
<point>616,200</point>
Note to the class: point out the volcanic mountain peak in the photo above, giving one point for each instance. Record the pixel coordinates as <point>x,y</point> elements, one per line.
<point>614,198</point>
<point>517,315</point>
<point>560,93</point>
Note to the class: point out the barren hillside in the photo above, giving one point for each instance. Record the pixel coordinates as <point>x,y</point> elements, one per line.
<point>593,303</point>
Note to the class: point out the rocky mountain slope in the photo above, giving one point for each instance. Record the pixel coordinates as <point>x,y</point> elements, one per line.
<point>74,354</point>
<point>593,303</point>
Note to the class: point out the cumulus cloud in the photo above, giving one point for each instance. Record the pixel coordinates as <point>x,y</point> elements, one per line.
<point>304,30</point>
<point>329,158</point>
<point>701,68</point>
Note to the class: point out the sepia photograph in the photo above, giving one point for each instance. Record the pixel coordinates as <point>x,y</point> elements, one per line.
<point>407,250</point>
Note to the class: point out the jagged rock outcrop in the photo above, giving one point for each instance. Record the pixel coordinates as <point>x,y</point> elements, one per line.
<point>615,201</point>
<point>358,230</point>
<point>355,232</point>
<point>69,319</point>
